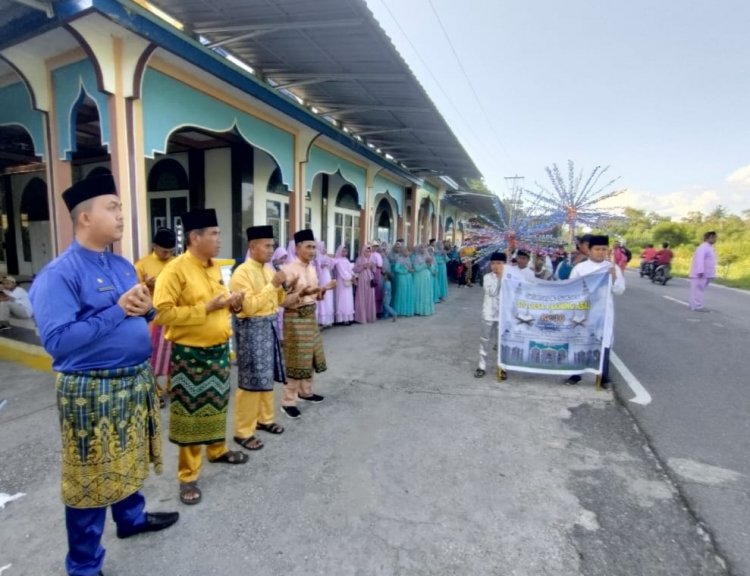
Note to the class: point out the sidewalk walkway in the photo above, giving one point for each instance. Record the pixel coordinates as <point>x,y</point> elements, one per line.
<point>411,466</point>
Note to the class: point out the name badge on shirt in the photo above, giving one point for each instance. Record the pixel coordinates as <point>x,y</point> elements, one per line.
<point>105,288</point>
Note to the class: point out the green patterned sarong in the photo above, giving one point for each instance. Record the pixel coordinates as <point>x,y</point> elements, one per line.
<point>199,395</point>
<point>111,432</point>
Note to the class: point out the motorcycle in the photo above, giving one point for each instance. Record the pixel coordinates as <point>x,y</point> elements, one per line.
<point>661,274</point>
<point>647,268</point>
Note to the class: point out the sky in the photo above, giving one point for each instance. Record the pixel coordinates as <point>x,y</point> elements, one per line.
<point>658,90</point>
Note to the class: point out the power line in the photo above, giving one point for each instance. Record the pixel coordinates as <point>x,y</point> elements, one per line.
<point>437,82</point>
<point>469,82</point>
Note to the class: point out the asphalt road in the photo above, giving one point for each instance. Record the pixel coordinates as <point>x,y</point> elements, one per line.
<point>695,367</point>
<point>411,467</point>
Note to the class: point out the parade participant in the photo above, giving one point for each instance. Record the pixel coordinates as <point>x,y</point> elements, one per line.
<point>388,310</point>
<point>93,320</point>
<point>702,270</point>
<point>303,347</point>
<point>597,261</point>
<point>148,269</point>
<point>260,361</point>
<point>14,301</point>
<point>377,272</point>
<point>467,258</point>
<point>279,258</point>
<point>345,279</point>
<point>441,261</point>
<point>403,286</point>
<point>620,256</point>
<point>582,249</point>
<point>365,310</point>
<point>664,258</point>
<point>424,301</point>
<point>490,312</point>
<point>193,303</point>
<point>522,259</point>
<point>324,267</point>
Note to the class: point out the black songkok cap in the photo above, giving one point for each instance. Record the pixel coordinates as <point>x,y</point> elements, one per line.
<point>498,257</point>
<point>304,236</point>
<point>199,219</point>
<point>89,188</point>
<point>522,253</point>
<point>598,241</point>
<point>259,233</point>
<point>165,238</point>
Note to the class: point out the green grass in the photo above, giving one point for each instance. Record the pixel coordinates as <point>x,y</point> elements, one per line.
<point>736,276</point>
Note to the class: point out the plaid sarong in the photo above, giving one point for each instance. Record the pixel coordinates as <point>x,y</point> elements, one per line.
<point>162,351</point>
<point>303,346</point>
<point>111,432</point>
<point>199,395</point>
<point>260,361</point>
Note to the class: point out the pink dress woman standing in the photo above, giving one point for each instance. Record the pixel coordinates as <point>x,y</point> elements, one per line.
<point>344,273</point>
<point>324,264</point>
<point>364,301</point>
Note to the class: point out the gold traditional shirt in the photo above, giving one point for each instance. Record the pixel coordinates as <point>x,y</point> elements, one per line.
<point>182,290</point>
<point>262,298</point>
<point>307,277</point>
<point>150,266</point>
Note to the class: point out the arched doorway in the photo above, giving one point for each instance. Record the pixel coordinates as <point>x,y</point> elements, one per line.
<point>277,207</point>
<point>384,221</point>
<point>450,230</point>
<point>346,219</point>
<point>168,195</point>
<point>20,172</point>
<point>35,225</point>
<point>425,219</point>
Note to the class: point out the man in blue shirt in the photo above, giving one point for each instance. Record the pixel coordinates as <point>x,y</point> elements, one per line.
<point>92,316</point>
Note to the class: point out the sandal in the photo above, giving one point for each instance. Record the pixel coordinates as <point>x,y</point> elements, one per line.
<point>231,457</point>
<point>479,373</point>
<point>271,428</point>
<point>190,493</point>
<point>251,443</point>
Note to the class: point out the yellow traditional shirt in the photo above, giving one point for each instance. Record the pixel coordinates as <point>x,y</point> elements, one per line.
<point>262,298</point>
<point>150,266</point>
<point>307,277</point>
<point>182,290</point>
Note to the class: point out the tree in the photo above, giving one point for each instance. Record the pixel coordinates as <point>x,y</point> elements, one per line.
<point>672,232</point>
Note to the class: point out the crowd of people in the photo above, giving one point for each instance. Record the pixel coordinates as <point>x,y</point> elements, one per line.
<point>592,255</point>
<point>177,314</point>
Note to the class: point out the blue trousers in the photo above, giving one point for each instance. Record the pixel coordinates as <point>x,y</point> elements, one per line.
<point>85,527</point>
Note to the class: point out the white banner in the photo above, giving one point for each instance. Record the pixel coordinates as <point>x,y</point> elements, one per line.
<point>552,327</point>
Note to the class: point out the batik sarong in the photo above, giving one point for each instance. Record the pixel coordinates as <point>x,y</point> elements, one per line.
<point>111,432</point>
<point>260,361</point>
<point>199,395</point>
<point>303,346</point>
<point>162,351</point>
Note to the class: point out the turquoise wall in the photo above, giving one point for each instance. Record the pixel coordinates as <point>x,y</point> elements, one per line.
<point>397,192</point>
<point>168,104</point>
<point>69,83</point>
<point>15,108</point>
<point>322,162</point>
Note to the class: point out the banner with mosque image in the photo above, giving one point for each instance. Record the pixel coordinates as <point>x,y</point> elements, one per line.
<point>552,327</point>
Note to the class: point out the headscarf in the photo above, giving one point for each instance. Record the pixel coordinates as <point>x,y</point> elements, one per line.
<point>279,254</point>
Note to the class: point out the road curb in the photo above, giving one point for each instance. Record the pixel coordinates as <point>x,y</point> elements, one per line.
<point>29,355</point>
<point>673,481</point>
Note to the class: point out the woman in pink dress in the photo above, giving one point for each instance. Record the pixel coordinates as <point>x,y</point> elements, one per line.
<point>364,301</point>
<point>324,264</point>
<point>344,272</point>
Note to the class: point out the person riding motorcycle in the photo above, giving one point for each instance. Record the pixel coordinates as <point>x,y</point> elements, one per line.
<point>664,258</point>
<point>648,259</point>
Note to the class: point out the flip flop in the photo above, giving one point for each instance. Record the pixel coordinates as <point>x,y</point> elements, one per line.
<point>231,457</point>
<point>272,428</point>
<point>251,443</point>
<point>188,489</point>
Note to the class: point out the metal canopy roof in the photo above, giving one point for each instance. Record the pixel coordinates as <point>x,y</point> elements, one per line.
<point>334,55</point>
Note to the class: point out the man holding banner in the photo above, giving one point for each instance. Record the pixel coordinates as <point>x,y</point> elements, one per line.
<point>561,327</point>
<point>597,261</point>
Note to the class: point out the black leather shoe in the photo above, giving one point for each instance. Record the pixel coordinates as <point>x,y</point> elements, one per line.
<point>155,521</point>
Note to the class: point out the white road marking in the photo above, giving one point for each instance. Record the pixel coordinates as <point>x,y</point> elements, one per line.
<point>4,568</point>
<point>676,300</point>
<point>642,396</point>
